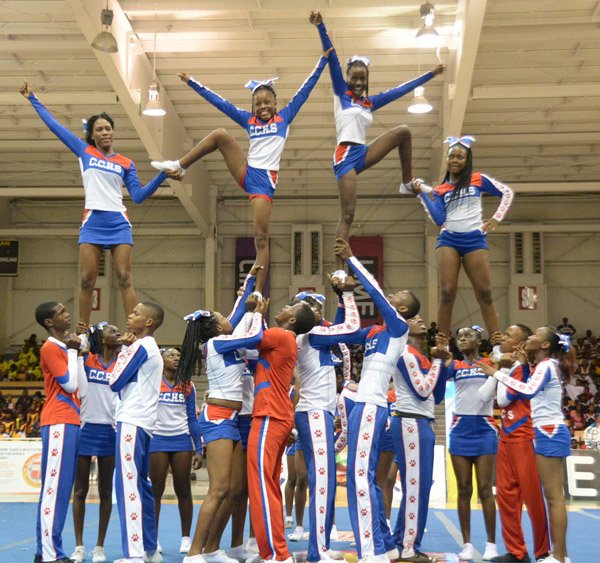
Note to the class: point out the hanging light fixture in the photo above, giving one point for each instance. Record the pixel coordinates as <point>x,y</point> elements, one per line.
<point>154,106</point>
<point>427,37</point>
<point>419,103</point>
<point>105,40</point>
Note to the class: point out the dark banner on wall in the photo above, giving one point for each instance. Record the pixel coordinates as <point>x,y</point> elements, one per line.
<point>369,250</point>
<point>9,257</point>
<point>245,254</point>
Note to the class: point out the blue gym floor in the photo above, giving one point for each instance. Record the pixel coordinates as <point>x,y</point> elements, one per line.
<point>17,534</point>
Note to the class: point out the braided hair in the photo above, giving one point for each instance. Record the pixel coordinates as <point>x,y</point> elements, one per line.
<point>564,353</point>
<point>198,332</point>
<point>89,126</point>
<point>95,336</point>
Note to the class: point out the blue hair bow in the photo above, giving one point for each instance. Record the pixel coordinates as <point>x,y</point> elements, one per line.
<point>254,84</point>
<point>478,329</point>
<point>360,58</point>
<point>303,295</point>
<point>197,315</point>
<point>465,141</point>
<point>565,341</point>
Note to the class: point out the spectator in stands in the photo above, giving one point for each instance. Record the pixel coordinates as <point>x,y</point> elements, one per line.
<point>585,398</point>
<point>24,401</point>
<point>566,328</point>
<point>32,344</point>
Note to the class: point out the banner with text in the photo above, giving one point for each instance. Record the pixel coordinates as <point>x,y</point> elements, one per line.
<point>20,467</point>
<point>9,257</point>
<point>369,250</point>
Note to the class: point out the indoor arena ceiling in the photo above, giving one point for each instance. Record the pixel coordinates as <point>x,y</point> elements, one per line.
<point>522,77</point>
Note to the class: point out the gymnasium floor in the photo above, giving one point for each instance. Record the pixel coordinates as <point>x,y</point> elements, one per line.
<point>17,534</point>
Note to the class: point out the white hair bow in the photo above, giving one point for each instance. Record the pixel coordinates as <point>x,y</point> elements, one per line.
<point>196,315</point>
<point>254,84</point>
<point>465,141</point>
<point>360,58</point>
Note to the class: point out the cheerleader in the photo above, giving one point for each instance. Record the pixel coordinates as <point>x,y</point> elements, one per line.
<point>353,108</point>
<point>98,434</point>
<point>176,437</point>
<point>473,439</point>
<point>213,335</point>
<point>105,222</point>
<point>517,478</point>
<point>60,428</point>
<point>456,207</point>
<point>553,358</point>
<point>367,421</point>
<point>315,415</point>
<point>418,384</point>
<point>267,128</point>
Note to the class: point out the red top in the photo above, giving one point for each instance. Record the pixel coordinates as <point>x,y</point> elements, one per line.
<point>278,353</point>
<point>60,407</point>
<point>516,417</point>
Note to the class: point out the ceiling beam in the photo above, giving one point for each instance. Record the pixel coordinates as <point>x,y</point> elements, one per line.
<point>129,71</point>
<point>535,91</point>
<point>458,76</point>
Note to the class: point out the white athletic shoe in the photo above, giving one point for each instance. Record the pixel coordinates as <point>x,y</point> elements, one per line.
<point>193,559</point>
<point>129,560</point>
<point>242,555</point>
<point>332,554</point>
<point>158,546</point>
<point>98,555</point>
<point>168,166</point>
<point>78,555</point>
<point>393,553</point>
<point>297,534</point>
<point>251,545</point>
<point>490,551</point>
<point>467,552</point>
<point>218,556</point>
<point>155,557</point>
<point>549,559</point>
<point>334,536</point>
<point>288,523</point>
<point>185,545</point>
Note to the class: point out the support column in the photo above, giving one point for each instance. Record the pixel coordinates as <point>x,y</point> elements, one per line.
<point>212,258</point>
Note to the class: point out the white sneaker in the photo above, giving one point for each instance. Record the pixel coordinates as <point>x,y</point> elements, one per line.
<point>158,546</point>
<point>289,523</point>
<point>78,555</point>
<point>490,551</point>
<point>251,545</point>
<point>168,166</point>
<point>334,536</point>
<point>549,559</point>
<point>242,555</point>
<point>333,554</point>
<point>129,560</point>
<point>393,553</point>
<point>155,557</point>
<point>297,534</point>
<point>467,552</point>
<point>186,544</point>
<point>98,555</point>
<point>218,556</point>
<point>193,559</point>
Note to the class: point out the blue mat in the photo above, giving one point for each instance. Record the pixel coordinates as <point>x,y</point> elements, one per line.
<point>17,533</point>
